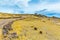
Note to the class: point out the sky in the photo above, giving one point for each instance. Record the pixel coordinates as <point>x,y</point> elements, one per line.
<point>44,7</point>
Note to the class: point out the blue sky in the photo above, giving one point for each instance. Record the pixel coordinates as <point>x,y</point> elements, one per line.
<point>45,7</point>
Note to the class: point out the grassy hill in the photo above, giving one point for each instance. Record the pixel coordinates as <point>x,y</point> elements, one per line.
<point>29,27</point>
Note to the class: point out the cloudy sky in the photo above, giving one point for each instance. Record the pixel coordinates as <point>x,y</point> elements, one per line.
<point>45,7</point>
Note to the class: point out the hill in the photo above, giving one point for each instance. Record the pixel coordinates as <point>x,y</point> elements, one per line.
<point>29,27</point>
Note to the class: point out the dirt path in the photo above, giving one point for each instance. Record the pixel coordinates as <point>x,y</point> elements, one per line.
<point>6,21</point>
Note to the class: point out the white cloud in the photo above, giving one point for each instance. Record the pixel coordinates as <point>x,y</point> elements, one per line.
<point>38,7</point>
<point>24,4</point>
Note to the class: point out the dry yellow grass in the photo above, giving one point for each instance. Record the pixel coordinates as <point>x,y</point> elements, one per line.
<point>31,27</point>
<point>50,30</point>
